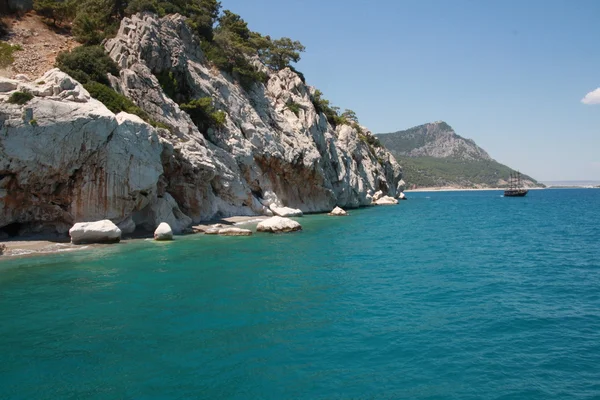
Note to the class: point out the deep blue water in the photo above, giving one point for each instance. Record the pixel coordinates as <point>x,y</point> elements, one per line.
<point>460,295</point>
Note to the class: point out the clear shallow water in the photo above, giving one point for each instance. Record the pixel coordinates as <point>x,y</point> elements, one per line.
<point>458,295</point>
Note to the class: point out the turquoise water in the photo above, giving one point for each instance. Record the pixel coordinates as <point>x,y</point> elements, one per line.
<point>462,295</point>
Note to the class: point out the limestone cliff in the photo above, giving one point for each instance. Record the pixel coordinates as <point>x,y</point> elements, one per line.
<point>65,158</point>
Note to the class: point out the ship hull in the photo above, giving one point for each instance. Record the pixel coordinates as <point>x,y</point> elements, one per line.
<point>516,193</point>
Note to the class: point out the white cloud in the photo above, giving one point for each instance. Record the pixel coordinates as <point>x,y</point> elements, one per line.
<point>592,97</point>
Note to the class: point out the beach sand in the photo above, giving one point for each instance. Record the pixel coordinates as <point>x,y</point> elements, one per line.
<point>40,244</point>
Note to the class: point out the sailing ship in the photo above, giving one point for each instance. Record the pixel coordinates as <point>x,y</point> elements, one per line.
<point>515,188</point>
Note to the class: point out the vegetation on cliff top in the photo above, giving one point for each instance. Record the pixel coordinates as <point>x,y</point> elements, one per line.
<point>225,38</point>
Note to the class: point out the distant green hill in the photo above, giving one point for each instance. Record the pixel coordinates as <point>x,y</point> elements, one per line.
<point>433,155</point>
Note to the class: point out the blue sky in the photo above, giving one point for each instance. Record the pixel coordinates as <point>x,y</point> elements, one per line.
<point>509,74</point>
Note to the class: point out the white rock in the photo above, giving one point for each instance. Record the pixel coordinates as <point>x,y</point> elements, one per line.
<point>386,201</point>
<point>378,195</point>
<point>95,232</point>
<point>213,229</point>
<point>22,78</point>
<point>235,232</point>
<point>163,232</point>
<point>338,212</point>
<point>278,224</point>
<point>285,211</point>
<point>402,196</point>
<point>8,85</point>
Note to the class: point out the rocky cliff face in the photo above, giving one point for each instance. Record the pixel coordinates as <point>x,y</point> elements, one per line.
<point>65,158</point>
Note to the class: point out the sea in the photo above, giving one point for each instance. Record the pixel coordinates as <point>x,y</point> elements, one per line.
<point>449,295</point>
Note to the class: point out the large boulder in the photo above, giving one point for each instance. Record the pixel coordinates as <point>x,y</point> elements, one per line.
<point>386,201</point>
<point>285,211</point>
<point>338,212</point>
<point>278,224</point>
<point>163,232</point>
<point>95,232</point>
<point>378,195</point>
<point>402,196</point>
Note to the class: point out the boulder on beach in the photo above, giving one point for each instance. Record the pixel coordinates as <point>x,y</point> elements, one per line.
<point>338,212</point>
<point>163,232</point>
<point>278,224</point>
<point>235,232</point>
<point>95,232</point>
<point>386,201</point>
<point>285,211</point>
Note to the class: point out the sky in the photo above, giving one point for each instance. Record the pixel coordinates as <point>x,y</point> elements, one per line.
<point>521,78</point>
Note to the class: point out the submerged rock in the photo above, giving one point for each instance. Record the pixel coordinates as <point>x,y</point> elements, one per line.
<point>163,232</point>
<point>338,212</point>
<point>278,224</point>
<point>95,232</point>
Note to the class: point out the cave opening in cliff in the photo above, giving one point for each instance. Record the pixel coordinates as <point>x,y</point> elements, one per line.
<point>12,230</point>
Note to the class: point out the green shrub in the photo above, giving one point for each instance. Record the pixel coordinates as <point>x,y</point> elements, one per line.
<point>203,113</point>
<point>87,63</point>
<point>20,98</point>
<point>6,53</point>
<point>219,118</point>
<point>168,83</point>
<point>114,101</point>
<point>57,11</point>
<point>370,140</point>
<point>158,124</point>
<point>33,122</point>
<point>293,107</point>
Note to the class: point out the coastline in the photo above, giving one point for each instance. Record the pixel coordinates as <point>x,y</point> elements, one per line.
<point>455,189</point>
<point>39,245</point>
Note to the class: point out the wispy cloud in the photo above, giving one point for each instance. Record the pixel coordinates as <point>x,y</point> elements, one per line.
<point>592,97</point>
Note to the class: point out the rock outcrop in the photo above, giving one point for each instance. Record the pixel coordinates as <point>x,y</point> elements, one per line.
<point>64,157</point>
<point>285,211</point>
<point>278,225</point>
<point>235,232</point>
<point>338,212</point>
<point>163,232</point>
<point>95,232</point>
<point>386,201</point>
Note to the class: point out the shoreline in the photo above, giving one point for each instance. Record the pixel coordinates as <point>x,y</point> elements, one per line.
<point>40,245</point>
<point>455,189</point>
